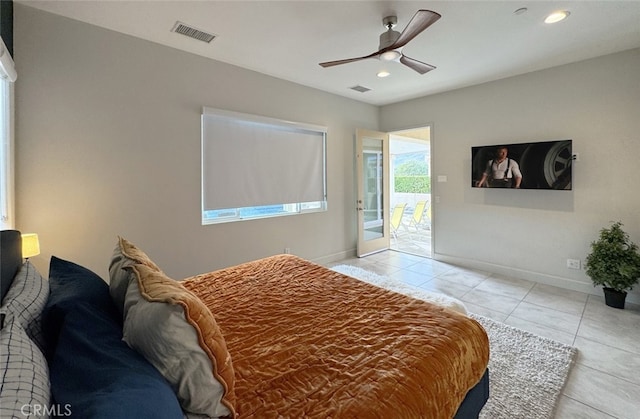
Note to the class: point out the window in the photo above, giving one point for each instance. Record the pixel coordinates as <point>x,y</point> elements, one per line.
<point>7,77</point>
<point>256,167</point>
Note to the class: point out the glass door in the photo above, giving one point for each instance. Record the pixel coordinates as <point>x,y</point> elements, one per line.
<point>372,160</point>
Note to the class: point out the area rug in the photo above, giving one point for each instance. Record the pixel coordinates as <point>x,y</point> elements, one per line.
<point>400,287</point>
<point>526,372</point>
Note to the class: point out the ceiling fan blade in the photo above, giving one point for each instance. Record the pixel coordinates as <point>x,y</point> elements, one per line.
<point>416,65</point>
<point>349,60</point>
<point>419,22</point>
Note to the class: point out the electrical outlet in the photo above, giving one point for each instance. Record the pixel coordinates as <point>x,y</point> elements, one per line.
<point>573,263</point>
<point>287,250</point>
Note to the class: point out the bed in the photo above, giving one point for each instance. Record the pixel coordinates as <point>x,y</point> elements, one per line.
<point>276,337</point>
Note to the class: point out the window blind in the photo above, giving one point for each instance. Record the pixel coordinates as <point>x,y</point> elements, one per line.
<point>250,160</point>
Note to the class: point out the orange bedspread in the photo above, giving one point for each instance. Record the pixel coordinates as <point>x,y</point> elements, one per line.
<point>306,341</point>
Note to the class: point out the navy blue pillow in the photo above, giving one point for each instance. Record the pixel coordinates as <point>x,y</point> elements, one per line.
<point>74,283</point>
<point>69,285</point>
<point>94,372</point>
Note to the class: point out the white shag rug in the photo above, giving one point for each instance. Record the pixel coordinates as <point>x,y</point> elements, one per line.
<point>401,288</point>
<point>526,372</point>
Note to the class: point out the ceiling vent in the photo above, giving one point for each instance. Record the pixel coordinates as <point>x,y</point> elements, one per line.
<point>360,89</point>
<point>192,32</point>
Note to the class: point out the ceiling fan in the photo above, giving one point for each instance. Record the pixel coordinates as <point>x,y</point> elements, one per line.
<point>392,42</point>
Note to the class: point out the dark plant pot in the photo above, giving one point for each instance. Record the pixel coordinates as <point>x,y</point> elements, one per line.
<point>614,298</point>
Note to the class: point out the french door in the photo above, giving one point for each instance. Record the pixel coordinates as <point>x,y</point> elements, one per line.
<point>372,176</point>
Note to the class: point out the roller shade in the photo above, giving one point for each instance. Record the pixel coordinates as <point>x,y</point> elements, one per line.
<point>251,161</point>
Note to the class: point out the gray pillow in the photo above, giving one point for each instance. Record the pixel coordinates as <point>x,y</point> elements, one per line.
<point>125,255</point>
<point>174,330</point>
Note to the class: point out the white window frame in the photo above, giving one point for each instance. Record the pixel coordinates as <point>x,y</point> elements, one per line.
<point>224,215</point>
<point>7,117</point>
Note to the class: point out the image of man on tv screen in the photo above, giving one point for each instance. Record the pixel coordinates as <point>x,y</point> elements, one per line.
<point>501,171</point>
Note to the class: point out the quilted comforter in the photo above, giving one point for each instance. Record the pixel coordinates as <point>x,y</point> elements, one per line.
<point>306,341</point>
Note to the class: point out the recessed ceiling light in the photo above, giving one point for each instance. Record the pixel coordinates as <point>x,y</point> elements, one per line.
<point>383,73</point>
<point>557,16</point>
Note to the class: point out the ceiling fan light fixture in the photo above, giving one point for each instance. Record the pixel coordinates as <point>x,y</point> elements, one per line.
<point>392,42</point>
<point>556,17</point>
<point>392,55</point>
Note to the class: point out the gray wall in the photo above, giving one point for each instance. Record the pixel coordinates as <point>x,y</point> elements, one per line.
<point>525,233</point>
<point>108,143</point>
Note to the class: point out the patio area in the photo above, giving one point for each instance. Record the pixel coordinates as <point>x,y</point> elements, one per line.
<point>413,239</point>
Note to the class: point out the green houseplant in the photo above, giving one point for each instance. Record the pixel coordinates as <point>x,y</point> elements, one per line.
<point>614,263</point>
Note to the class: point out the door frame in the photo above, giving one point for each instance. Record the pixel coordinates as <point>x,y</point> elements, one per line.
<point>367,246</point>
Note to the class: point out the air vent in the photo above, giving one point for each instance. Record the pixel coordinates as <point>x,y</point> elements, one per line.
<point>360,89</point>
<point>192,32</point>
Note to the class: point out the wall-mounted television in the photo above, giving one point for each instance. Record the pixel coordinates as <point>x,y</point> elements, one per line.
<point>537,165</point>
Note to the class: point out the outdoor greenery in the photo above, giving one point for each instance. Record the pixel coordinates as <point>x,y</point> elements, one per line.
<point>410,177</point>
<point>413,184</point>
<point>412,168</point>
<point>614,261</point>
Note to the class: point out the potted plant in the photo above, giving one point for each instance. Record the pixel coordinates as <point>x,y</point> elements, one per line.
<point>614,263</point>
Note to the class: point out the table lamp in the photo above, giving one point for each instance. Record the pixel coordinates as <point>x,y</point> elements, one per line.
<point>30,245</point>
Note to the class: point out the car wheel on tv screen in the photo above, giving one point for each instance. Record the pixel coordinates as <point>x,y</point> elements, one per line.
<point>547,165</point>
<point>557,165</point>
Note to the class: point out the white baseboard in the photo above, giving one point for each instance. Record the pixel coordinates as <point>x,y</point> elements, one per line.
<point>557,281</point>
<point>336,257</point>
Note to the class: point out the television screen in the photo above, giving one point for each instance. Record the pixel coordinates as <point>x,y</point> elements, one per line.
<point>539,165</point>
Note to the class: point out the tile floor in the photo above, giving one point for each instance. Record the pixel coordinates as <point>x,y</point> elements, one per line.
<point>411,239</point>
<point>605,380</point>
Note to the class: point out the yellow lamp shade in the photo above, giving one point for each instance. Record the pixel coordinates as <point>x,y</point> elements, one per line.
<point>30,245</point>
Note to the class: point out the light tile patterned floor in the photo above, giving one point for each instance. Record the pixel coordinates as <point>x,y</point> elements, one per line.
<point>604,382</point>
